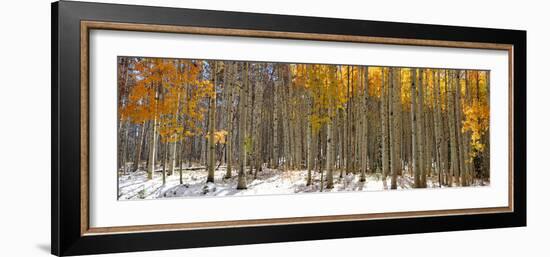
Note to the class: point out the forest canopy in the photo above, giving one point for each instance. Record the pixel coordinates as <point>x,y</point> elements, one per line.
<point>207,127</point>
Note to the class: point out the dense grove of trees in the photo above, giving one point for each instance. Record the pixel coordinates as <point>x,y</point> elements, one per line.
<point>177,114</point>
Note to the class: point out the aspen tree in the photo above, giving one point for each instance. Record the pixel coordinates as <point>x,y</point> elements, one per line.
<point>452,128</point>
<point>229,120</point>
<point>365,131</point>
<point>243,106</point>
<point>394,100</point>
<point>421,129</point>
<point>414,126</point>
<point>212,126</point>
<point>440,166</point>
<point>384,124</point>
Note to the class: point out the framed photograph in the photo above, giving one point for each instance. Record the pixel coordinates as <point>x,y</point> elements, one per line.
<point>178,128</point>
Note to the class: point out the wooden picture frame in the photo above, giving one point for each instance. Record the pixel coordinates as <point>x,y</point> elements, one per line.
<point>71,24</point>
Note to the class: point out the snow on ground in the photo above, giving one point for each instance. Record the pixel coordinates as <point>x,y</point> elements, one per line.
<point>135,185</point>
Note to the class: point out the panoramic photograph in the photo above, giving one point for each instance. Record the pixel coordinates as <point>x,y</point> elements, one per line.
<point>213,128</point>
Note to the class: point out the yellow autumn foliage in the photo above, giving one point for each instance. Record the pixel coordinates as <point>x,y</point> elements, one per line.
<point>219,136</point>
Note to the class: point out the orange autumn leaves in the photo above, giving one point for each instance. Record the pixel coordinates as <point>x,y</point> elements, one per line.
<point>333,86</point>
<point>171,93</point>
<point>477,111</point>
<point>168,92</point>
<point>330,87</point>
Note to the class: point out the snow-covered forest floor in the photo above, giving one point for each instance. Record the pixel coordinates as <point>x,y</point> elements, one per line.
<point>135,185</point>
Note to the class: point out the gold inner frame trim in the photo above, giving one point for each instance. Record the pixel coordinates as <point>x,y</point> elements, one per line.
<point>86,26</point>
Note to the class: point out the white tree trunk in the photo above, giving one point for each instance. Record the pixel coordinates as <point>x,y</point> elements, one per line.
<point>241,184</point>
